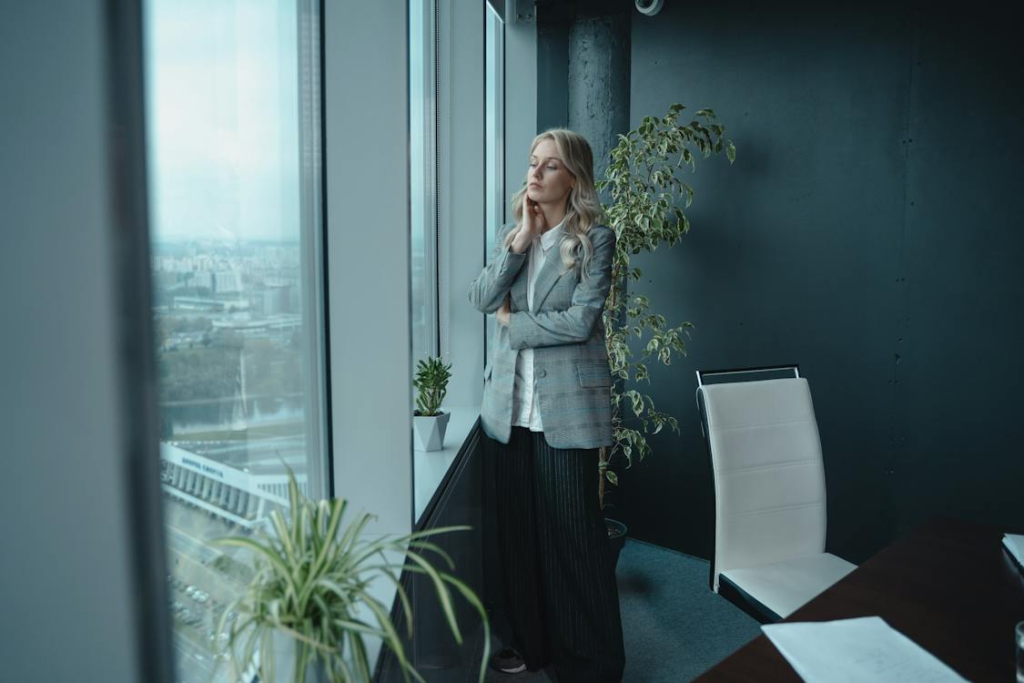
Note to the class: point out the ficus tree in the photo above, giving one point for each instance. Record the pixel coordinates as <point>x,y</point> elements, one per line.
<point>647,202</point>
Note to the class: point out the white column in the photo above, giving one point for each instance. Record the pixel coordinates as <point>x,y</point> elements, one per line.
<point>368,242</point>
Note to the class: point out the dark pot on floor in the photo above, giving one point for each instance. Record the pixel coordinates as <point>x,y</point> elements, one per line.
<point>616,536</point>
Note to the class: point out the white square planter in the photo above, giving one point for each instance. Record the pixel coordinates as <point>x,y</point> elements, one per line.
<point>429,430</point>
<point>286,651</point>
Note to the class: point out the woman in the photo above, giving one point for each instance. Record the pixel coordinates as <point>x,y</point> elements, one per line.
<point>546,411</point>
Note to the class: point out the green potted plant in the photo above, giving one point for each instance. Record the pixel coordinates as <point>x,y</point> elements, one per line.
<point>308,608</point>
<point>647,207</point>
<point>429,421</point>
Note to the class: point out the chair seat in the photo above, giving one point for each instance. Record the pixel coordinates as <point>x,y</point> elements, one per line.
<point>783,587</point>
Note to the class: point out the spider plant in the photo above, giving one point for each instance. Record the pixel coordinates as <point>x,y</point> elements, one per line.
<point>312,585</point>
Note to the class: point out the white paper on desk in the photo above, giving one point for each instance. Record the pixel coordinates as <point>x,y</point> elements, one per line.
<point>862,650</point>
<point>1015,544</point>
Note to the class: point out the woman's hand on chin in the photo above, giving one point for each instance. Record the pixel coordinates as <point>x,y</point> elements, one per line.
<point>534,224</point>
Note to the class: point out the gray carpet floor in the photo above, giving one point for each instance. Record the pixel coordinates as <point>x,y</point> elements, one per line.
<point>673,626</point>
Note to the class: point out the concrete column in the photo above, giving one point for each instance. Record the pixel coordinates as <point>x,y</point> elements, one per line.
<point>599,75</point>
<point>599,89</point>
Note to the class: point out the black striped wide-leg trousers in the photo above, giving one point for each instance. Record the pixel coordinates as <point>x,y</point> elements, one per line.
<point>557,569</point>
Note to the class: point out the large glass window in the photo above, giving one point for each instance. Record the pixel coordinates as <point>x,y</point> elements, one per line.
<point>494,110</point>
<point>233,136</point>
<point>423,177</point>
<point>424,117</point>
<point>456,136</point>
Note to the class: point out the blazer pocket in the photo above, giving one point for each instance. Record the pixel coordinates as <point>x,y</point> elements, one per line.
<point>593,374</point>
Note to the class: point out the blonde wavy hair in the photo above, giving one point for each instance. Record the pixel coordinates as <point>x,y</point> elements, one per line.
<point>583,209</point>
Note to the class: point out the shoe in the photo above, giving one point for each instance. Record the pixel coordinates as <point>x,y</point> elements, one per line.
<point>508,661</point>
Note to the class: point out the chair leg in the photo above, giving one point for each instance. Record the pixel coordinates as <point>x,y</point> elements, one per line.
<point>746,602</point>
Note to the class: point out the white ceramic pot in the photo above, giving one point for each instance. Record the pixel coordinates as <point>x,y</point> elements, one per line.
<point>285,653</point>
<point>429,430</point>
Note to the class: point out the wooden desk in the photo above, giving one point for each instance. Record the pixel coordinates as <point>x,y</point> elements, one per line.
<point>948,586</point>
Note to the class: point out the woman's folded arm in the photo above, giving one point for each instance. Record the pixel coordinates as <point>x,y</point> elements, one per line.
<point>574,325</point>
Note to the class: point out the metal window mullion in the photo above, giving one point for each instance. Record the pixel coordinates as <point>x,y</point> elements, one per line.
<point>497,164</point>
<point>442,180</point>
<point>313,280</point>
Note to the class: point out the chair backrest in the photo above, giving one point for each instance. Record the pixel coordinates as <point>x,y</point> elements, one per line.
<point>768,473</point>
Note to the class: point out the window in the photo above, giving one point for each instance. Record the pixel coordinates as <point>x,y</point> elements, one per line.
<point>455,117</point>
<point>423,178</point>
<point>233,138</point>
<point>495,132</point>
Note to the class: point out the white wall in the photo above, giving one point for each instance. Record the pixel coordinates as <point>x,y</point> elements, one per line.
<point>368,247</point>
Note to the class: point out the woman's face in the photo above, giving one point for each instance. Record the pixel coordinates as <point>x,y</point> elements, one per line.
<point>548,180</point>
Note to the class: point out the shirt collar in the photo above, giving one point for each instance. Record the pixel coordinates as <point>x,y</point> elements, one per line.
<point>548,239</point>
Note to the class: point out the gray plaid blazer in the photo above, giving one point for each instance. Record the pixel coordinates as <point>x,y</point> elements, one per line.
<point>566,330</point>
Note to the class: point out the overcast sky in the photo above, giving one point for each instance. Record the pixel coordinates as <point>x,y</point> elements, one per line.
<point>222,118</point>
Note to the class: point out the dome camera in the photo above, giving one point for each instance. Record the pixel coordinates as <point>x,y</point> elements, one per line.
<point>649,7</point>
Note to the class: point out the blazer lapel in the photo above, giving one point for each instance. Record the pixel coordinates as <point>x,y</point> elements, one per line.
<point>547,277</point>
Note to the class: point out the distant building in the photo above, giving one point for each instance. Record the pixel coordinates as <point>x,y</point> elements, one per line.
<point>277,299</point>
<point>239,496</point>
<point>198,303</point>
<point>278,326</point>
<point>202,279</point>
<point>226,282</point>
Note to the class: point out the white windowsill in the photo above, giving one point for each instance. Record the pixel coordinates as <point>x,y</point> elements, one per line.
<point>430,467</point>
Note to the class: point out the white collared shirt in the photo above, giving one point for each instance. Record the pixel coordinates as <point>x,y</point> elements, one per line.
<point>525,411</point>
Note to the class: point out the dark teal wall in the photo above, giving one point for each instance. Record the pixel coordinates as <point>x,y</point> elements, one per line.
<point>870,231</point>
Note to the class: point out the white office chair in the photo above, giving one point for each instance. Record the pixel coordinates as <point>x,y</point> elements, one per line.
<point>769,555</point>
